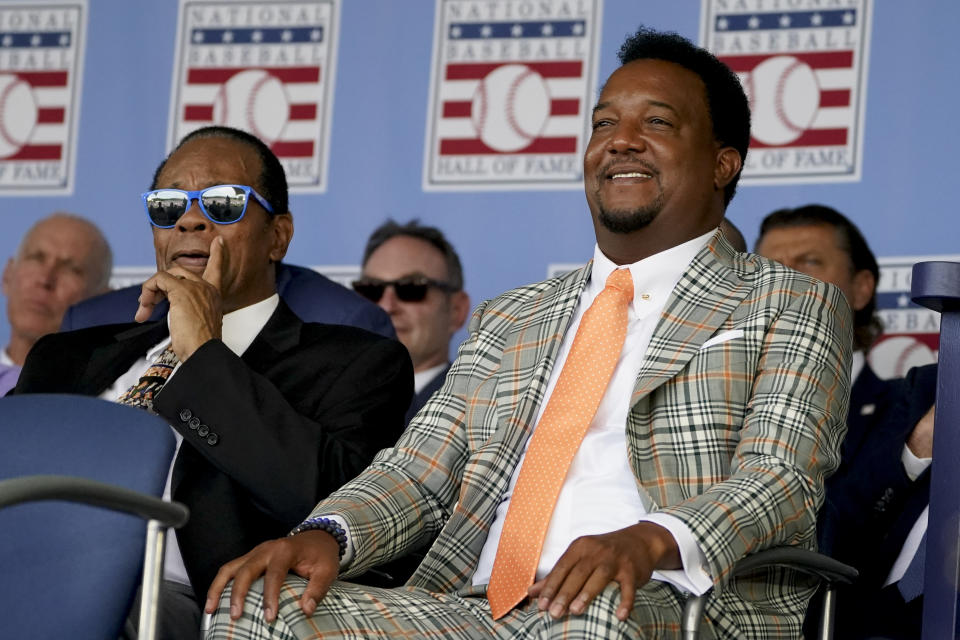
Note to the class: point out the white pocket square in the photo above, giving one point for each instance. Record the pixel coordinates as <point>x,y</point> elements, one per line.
<point>723,337</point>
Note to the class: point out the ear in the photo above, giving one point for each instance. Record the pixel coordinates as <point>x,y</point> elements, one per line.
<point>459,308</point>
<point>727,167</point>
<point>7,276</point>
<point>864,285</point>
<point>281,229</point>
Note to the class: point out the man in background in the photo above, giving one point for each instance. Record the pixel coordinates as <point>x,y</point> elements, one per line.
<point>61,260</point>
<point>822,242</point>
<point>414,274</point>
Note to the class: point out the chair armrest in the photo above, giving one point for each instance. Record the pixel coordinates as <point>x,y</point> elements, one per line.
<point>48,487</point>
<point>804,560</point>
<point>812,563</point>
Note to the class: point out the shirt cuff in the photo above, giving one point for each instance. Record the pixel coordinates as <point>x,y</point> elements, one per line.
<point>693,577</point>
<point>913,465</point>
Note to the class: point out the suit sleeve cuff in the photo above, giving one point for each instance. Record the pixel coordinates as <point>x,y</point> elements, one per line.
<point>693,577</point>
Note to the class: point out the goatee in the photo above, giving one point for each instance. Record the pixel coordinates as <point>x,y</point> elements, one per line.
<point>630,221</point>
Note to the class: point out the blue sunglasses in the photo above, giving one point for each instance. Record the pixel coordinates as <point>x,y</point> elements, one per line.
<point>222,204</point>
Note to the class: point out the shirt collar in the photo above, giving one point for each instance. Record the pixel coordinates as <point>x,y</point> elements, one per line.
<point>421,378</point>
<point>5,359</point>
<point>240,327</point>
<point>654,277</point>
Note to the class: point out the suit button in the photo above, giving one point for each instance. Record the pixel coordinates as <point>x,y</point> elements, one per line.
<point>185,414</point>
<point>194,422</point>
<point>203,431</point>
<point>213,439</point>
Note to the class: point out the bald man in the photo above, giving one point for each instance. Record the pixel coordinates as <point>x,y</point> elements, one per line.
<point>60,261</point>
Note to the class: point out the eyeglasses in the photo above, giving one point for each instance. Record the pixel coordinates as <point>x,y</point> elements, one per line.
<point>407,289</point>
<point>222,204</point>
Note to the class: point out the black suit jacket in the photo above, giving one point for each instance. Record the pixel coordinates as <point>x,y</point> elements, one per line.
<point>301,412</point>
<point>871,506</point>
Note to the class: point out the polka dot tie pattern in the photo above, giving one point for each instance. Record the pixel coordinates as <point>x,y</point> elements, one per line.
<point>576,396</point>
<point>142,393</point>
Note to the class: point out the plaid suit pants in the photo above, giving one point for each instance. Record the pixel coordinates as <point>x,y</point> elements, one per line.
<point>353,612</point>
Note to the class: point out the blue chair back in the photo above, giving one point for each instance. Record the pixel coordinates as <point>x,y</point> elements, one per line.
<point>69,570</point>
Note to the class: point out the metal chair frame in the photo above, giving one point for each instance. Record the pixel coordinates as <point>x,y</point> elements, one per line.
<point>158,513</point>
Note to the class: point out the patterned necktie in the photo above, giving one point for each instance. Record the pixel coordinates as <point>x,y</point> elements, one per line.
<point>143,392</point>
<point>569,412</point>
<point>911,583</point>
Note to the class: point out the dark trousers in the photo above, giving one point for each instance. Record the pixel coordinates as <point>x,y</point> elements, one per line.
<point>178,617</point>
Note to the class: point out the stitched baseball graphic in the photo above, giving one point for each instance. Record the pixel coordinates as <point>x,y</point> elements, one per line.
<point>18,114</point>
<point>510,107</point>
<point>784,98</point>
<point>255,101</point>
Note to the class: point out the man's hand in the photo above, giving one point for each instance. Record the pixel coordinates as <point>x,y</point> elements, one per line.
<point>920,440</point>
<point>196,308</point>
<point>627,556</point>
<point>314,555</point>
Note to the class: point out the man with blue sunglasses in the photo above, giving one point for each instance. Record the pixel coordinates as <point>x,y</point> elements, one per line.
<point>271,413</point>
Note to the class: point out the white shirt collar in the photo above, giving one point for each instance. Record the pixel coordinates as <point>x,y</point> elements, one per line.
<point>654,277</point>
<point>421,378</point>
<point>5,359</point>
<point>240,327</point>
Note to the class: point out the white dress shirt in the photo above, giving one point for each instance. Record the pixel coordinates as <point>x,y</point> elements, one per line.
<point>914,466</point>
<point>240,328</point>
<point>599,494</point>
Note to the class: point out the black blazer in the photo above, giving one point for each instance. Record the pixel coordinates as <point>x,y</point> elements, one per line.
<point>871,506</point>
<point>303,411</point>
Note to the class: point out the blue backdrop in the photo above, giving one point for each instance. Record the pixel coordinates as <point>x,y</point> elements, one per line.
<point>379,105</point>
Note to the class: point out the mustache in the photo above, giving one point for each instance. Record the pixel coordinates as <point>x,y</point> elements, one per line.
<point>631,163</point>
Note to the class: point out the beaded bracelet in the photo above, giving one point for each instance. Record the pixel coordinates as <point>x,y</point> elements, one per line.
<point>324,524</point>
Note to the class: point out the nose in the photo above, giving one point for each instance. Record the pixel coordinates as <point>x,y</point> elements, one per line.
<point>48,274</point>
<point>627,137</point>
<point>193,218</point>
<point>389,301</point>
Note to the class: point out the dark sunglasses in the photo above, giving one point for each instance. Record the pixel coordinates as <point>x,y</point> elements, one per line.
<point>222,204</point>
<point>408,288</point>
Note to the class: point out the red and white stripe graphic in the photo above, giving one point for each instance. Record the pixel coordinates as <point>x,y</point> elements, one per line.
<point>835,77</point>
<point>278,104</point>
<point>50,92</point>
<point>465,108</point>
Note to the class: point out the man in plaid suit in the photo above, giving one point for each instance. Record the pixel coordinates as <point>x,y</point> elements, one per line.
<point>723,416</point>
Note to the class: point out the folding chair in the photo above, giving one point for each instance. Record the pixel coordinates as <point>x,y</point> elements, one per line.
<point>70,570</point>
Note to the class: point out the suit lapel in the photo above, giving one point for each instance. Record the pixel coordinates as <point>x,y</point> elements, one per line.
<point>112,359</point>
<point>279,335</point>
<point>706,295</point>
<point>530,352</point>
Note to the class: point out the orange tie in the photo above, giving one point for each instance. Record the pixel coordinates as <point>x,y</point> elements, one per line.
<point>570,410</point>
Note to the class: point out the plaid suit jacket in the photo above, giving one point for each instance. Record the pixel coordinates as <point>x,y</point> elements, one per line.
<point>734,438</point>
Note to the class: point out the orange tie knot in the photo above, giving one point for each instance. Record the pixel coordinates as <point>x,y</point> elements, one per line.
<point>621,280</point>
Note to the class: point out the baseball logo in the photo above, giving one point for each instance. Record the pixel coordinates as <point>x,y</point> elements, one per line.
<point>18,114</point>
<point>510,107</point>
<point>255,101</point>
<point>784,97</point>
<point>893,357</point>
